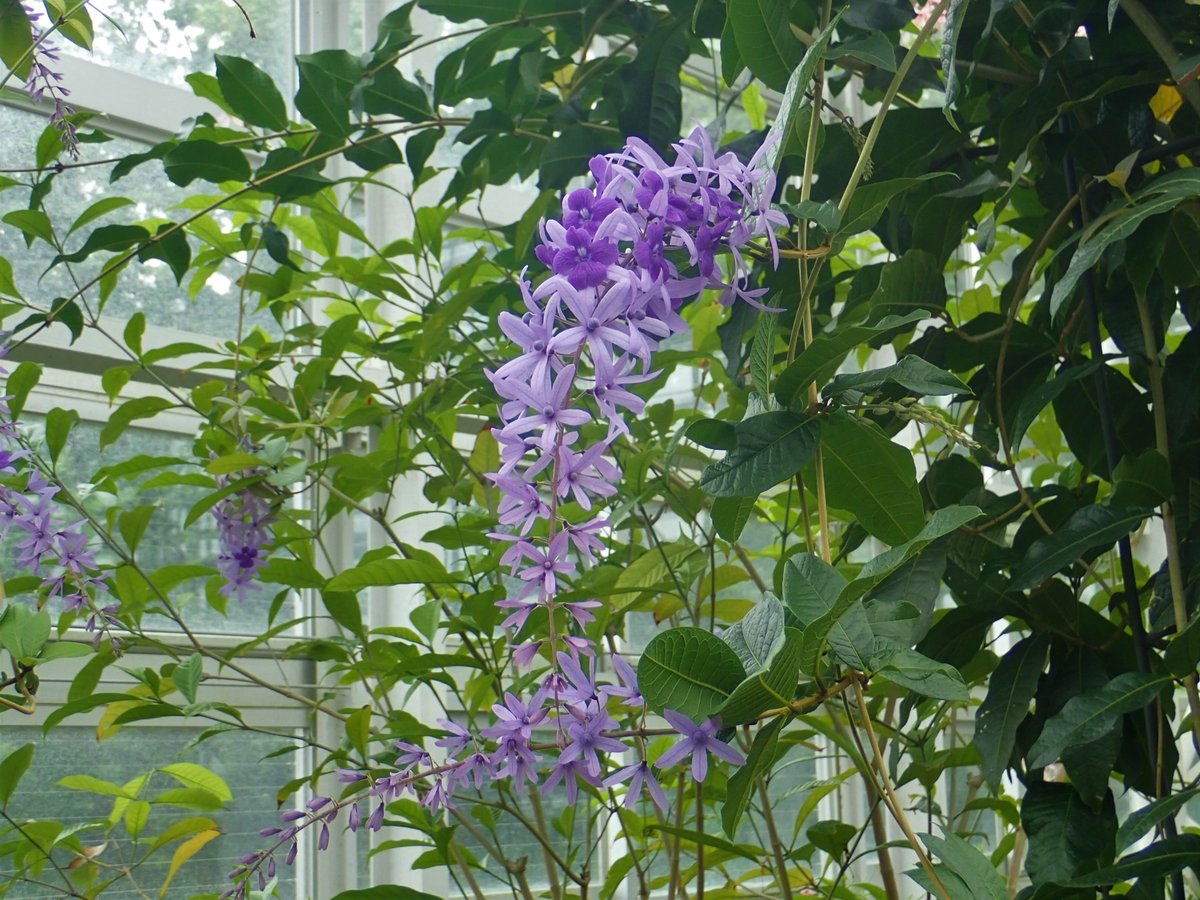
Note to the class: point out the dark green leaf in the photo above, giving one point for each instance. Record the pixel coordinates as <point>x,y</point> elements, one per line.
<point>920,674</point>
<point>874,49</point>
<point>383,572</point>
<point>16,38</point>
<point>286,174</point>
<point>391,94</point>
<point>1143,480</point>
<point>770,448</point>
<point>744,781</point>
<point>109,239</point>
<point>1065,836</point>
<point>1037,400</point>
<point>764,39</point>
<point>1010,691</point>
<point>689,670</point>
<point>169,245</point>
<point>822,357</point>
<point>101,207</point>
<point>1087,717</point>
<point>206,160</point>
<point>1156,861</point>
<point>127,412</point>
<point>653,93</point>
<point>770,688</point>
<point>566,156</point>
<point>871,477</point>
<point>1088,531</point>
<point>795,97</point>
<point>251,93</point>
<point>374,151</point>
<point>730,515</point>
<point>59,423</point>
<point>326,79</point>
<point>965,861</point>
<point>1183,653</point>
<point>14,766</point>
<point>870,200</point>
<point>917,376</point>
<point>1142,821</point>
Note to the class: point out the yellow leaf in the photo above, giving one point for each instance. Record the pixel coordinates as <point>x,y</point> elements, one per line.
<point>1165,102</point>
<point>184,852</point>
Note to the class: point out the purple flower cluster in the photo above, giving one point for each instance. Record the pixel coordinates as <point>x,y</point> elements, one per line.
<point>45,545</point>
<point>574,714</point>
<point>44,80</point>
<point>243,533</point>
<point>625,257</point>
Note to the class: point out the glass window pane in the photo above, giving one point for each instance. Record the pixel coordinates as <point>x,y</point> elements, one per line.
<point>150,287</point>
<point>237,757</point>
<point>166,39</point>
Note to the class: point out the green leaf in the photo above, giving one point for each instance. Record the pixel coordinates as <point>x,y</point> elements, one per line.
<point>187,676</point>
<point>920,674</point>
<point>64,650</point>
<point>1156,861</point>
<point>730,515</point>
<point>22,380</point>
<point>382,572</point>
<point>972,867</point>
<point>821,358</point>
<point>14,766</point>
<point>949,54</point>
<point>286,175</point>
<point>127,164</point>
<point>1088,531</point>
<point>16,38</point>
<point>941,523</point>
<point>101,207</point>
<point>8,287</point>
<point>689,670</point>
<point>1087,717</point>
<point>1043,395</point>
<point>386,892</point>
<point>911,372</point>
<point>59,423</point>
<point>810,588</point>
<point>759,635</point>
<point>650,571</point>
<point>170,245</point>
<point>566,156</point>
<point>770,448</point>
<point>1010,691</point>
<point>1065,836</point>
<point>743,782</point>
<point>326,79</point>
<point>358,729</point>
<point>193,775</point>
<point>33,223</point>
<point>127,412</point>
<point>1143,480</point>
<point>373,151</point>
<point>391,94</point>
<point>133,523</point>
<point>1160,196</point>
<point>764,39</point>
<point>653,93</point>
<point>24,632</point>
<point>1141,822</point>
<point>872,478</point>
<point>795,96</point>
<point>874,49</point>
<point>768,688</point>
<point>251,93</point>
<point>205,160</point>
<point>871,199</point>
<point>914,281</point>
<point>93,785</point>
<point>1183,652</point>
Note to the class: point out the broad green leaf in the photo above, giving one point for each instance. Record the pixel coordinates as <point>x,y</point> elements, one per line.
<point>1156,861</point>
<point>1143,480</point>
<point>1183,652</point>
<point>373,150</point>
<point>183,853</point>
<point>205,160</point>
<point>915,281</point>
<point>920,674</point>
<point>64,649</point>
<point>391,94</point>
<point>730,515</point>
<point>326,79</point>
<point>1065,836</point>
<point>810,588</point>
<point>872,478</point>
<point>74,21</point>
<point>743,782</point>
<point>689,670</point>
<point>918,377</point>
<point>12,768</point>
<point>133,522</point>
<point>358,729</point>
<point>251,93</point>
<point>20,382</point>
<point>965,861</point>
<point>872,198</point>
<point>382,572</point>
<point>795,96</point>
<point>8,287</point>
<point>1142,821</point>
<point>33,223</point>
<point>1160,196</point>
<point>16,38</point>
<point>386,892</point>
<point>874,49</point>
<point>187,676</point>
<point>59,423</point>
<point>23,631</point>
<point>759,635</point>
<point>127,413</point>
<point>821,358</point>
<point>192,775</point>
<point>1087,717</point>
<point>170,245</point>
<point>1088,531</point>
<point>1011,689</point>
<point>770,448</point>
<point>765,40</point>
<point>941,523</point>
<point>94,785</point>
<point>653,92</point>
<point>101,207</point>
<point>769,688</point>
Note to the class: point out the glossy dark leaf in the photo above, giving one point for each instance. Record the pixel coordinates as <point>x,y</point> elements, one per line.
<point>1011,689</point>
<point>918,377</point>
<point>1087,532</point>
<point>764,39</point>
<point>770,448</point>
<point>653,92</point>
<point>1065,837</point>
<point>251,93</point>
<point>1159,859</point>
<point>207,161</point>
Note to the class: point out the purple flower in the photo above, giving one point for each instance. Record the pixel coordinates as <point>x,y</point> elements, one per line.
<point>583,209</point>
<point>638,775</point>
<point>588,741</point>
<point>516,717</point>
<point>570,773</point>
<point>581,257</point>
<point>628,690</point>
<point>698,741</point>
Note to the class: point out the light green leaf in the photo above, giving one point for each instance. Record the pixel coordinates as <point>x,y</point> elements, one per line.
<point>382,572</point>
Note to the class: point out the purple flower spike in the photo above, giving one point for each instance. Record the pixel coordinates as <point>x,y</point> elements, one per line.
<point>698,741</point>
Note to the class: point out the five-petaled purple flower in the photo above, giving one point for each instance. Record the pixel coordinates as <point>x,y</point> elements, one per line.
<point>698,741</point>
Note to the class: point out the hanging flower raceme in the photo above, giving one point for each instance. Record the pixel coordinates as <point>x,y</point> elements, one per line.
<point>624,258</point>
<point>244,520</point>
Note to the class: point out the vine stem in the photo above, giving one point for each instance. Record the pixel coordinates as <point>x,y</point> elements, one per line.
<point>894,805</point>
<point>1170,533</point>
